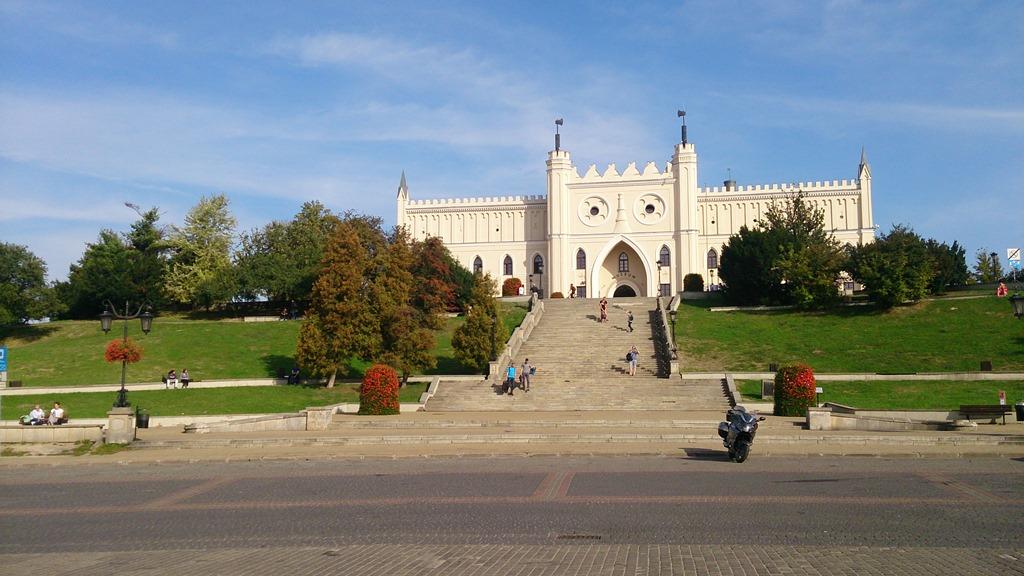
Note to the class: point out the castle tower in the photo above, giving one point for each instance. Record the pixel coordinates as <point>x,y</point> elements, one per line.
<point>867,223</point>
<point>403,199</point>
<point>685,229</point>
<point>556,264</point>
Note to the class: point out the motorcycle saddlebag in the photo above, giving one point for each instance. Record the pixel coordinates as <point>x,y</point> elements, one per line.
<point>723,429</point>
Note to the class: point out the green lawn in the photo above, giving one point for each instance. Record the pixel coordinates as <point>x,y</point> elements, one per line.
<point>200,401</point>
<point>70,353</point>
<point>940,335</point>
<point>906,394</point>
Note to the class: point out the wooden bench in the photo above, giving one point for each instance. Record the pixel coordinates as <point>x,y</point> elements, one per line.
<point>992,411</point>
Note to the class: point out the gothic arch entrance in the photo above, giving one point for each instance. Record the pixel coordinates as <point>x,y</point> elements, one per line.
<point>621,270</point>
<point>624,291</point>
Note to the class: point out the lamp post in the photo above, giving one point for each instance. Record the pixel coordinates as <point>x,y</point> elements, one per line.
<point>106,319</point>
<point>672,317</point>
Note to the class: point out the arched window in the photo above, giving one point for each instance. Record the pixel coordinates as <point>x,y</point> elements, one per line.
<point>712,259</point>
<point>581,259</point>
<point>623,262</point>
<point>664,257</point>
<point>508,265</point>
<point>538,264</point>
<point>478,265</point>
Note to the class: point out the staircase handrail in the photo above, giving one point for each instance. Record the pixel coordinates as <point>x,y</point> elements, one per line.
<point>496,368</point>
<point>663,348</point>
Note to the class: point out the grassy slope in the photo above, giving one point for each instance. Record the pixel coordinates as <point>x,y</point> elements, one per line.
<point>252,400</point>
<point>907,394</point>
<point>941,335</point>
<point>70,353</point>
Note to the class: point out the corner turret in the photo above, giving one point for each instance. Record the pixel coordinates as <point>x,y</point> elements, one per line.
<point>867,226</point>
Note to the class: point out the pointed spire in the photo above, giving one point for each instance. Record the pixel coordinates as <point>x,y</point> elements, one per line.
<point>864,170</point>
<point>863,156</point>
<point>403,188</point>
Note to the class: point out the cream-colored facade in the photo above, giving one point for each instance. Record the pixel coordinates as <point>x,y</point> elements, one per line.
<point>638,231</point>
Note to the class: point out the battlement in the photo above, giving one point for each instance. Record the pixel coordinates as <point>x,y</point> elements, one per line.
<point>630,173</point>
<point>488,201</point>
<point>790,187</point>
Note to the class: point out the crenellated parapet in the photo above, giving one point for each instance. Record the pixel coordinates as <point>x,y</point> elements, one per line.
<point>487,201</point>
<point>785,188</point>
<point>631,173</point>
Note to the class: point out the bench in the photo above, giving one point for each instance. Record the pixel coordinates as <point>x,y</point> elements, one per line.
<point>992,411</point>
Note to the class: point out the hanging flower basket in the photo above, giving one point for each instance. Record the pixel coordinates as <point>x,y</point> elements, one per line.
<point>123,351</point>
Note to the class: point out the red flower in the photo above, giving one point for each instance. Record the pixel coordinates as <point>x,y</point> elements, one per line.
<point>379,392</point>
<point>123,350</point>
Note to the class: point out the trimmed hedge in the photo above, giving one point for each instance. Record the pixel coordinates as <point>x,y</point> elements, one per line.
<point>794,390</point>
<point>558,295</point>
<point>511,286</point>
<point>378,394</point>
<point>693,283</point>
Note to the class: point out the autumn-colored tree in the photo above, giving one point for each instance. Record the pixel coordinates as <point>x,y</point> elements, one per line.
<point>341,323</point>
<point>435,287</point>
<point>478,341</point>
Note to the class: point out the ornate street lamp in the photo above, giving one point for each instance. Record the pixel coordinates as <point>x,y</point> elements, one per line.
<point>1017,301</point>
<point>107,318</point>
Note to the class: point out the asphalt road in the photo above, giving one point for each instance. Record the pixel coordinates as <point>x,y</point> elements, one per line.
<point>497,515</point>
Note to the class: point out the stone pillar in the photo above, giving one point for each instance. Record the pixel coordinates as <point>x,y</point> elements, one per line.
<point>120,426</point>
<point>319,418</point>
<point>819,418</point>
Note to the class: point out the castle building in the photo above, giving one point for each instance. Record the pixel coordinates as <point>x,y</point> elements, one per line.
<point>635,232</point>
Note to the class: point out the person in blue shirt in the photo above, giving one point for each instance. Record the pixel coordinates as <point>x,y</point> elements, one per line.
<point>510,378</point>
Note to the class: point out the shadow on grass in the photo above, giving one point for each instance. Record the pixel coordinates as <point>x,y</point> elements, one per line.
<point>278,365</point>
<point>26,333</point>
<point>447,365</point>
<point>835,311</point>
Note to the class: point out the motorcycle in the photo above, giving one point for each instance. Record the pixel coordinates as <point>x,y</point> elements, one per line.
<point>738,432</point>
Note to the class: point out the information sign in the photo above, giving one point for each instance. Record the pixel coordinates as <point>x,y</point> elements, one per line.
<point>3,359</point>
<point>1013,254</point>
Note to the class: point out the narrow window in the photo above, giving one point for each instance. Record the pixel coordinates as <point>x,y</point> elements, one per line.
<point>665,289</point>
<point>623,262</point>
<point>665,257</point>
<point>712,259</point>
<point>508,265</point>
<point>581,259</point>
<point>581,291</point>
<point>538,264</point>
<point>478,266</point>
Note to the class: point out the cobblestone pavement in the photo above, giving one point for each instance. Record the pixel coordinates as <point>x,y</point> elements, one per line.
<point>536,516</point>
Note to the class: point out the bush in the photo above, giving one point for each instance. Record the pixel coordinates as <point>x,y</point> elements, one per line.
<point>557,295</point>
<point>378,394</point>
<point>794,390</point>
<point>693,283</point>
<point>511,286</point>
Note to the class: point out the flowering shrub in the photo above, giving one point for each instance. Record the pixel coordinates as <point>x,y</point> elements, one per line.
<point>511,286</point>
<point>379,391</point>
<point>123,350</point>
<point>794,390</point>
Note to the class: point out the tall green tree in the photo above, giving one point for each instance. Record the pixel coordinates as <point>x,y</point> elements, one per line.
<point>149,258</point>
<point>949,265</point>
<point>104,272</point>
<point>281,261</point>
<point>201,272</point>
<point>481,337</point>
<point>987,267</point>
<point>789,258</point>
<point>895,268</point>
<point>406,329</point>
<point>24,293</point>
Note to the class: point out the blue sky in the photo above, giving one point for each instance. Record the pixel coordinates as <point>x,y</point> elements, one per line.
<point>276,103</point>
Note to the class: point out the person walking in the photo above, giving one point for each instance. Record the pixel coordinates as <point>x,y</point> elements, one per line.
<point>572,291</point>
<point>604,309</point>
<point>629,321</point>
<point>524,375</point>
<point>510,377</point>
<point>633,356</point>
<point>184,378</point>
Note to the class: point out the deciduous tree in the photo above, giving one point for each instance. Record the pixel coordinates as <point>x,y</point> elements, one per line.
<point>201,273</point>
<point>987,267</point>
<point>478,341</point>
<point>895,268</point>
<point>24,293</point>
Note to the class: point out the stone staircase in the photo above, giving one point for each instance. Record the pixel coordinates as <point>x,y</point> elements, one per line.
<point>581,365</point>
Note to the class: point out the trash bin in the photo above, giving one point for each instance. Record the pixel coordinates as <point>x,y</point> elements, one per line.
<point>141,419</point>
<point>1019,408</point>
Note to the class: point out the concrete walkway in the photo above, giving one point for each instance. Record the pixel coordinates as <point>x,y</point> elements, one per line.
<point>466,434</point>
<point>25,391</point>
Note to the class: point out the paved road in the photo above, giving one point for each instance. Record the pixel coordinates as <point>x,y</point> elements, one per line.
<point>518,515</point>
